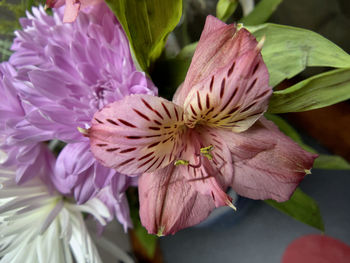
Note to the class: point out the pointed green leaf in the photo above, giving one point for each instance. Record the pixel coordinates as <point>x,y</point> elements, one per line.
<point>148,242</point>
<point>5,52</point>
<point>262,11</point>
<point>287,51</point>
<point>323,161</point>
<point>302,208</point>
<point>225,9</point>
<point>147,24</point>
<point>315,92</point>
<point>331,162</point>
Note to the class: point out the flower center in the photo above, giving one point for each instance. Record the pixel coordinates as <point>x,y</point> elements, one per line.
<point>102,93</point>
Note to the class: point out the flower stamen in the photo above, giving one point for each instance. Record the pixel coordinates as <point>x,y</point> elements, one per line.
<point>185,162</point>
<point>205,151</point>
<point>181,162</point>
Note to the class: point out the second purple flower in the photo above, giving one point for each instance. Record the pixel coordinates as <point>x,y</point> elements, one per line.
<point>71,71</point>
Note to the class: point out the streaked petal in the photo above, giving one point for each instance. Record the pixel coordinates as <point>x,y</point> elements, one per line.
<point>217,34</point>
<point>267,164</point>
<point>214,172</point>
<point>169,203</point>
<point>137,134</point>
<point>218,46</point>
<point>236,96</point>
<point>222,159</point>
<point>180,196</point>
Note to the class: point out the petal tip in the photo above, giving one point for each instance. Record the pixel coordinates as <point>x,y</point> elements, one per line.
<point>83,131</point>
<point>261,43</point>
<point>230,204</point>
<point>307,171</point>
<point>160,232</point>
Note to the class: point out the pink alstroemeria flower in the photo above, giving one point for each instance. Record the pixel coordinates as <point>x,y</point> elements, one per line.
<point>210,137</point>
<point>72,7</point>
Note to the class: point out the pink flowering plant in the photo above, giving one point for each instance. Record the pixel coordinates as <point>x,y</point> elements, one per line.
<point>81,122</point>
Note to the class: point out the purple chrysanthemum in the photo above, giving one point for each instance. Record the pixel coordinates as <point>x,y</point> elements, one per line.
<point>68,72</point>
<point>26,156</point>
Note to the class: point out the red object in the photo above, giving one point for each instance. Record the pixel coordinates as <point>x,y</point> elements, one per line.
<point>317,249</point>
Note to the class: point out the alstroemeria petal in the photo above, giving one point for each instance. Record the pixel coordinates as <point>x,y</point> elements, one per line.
<point>235,97</point>
<point>210,173</point>
<point>169,203</point>
<point>222,159</point>
<point>267,164</point>
<point>140,133</point>
<point>218,46</point>
<point>215,34</point>
<point>71,10</point>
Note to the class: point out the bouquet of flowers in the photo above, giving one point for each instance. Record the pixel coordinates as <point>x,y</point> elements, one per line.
<point>82,123</point>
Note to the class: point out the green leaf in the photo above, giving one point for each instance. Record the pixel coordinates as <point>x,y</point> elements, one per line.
<point>331,162</point>
<point>225,9</point>
<point>188,51</point>
<point>147,241</point>
<point>289,50</point>
<point>147,24</point>
<point>323,161</point>
<point>5,52</point>
<point>262,11</point>
<point>302,208</point>
<point>315,92</point>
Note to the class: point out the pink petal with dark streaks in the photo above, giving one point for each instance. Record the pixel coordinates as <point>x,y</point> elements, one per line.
<point>267,163</point>
<point>169,203</point>
<point>137,134</point>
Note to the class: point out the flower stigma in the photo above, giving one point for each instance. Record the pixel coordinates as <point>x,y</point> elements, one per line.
<point>205,151</point>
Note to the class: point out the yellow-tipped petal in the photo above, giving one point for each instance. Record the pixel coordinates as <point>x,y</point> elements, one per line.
<point>307,171</point>
<point>229,203</point>
<point>160,231</point>
<point>261,43</point>
<point>83,131</point>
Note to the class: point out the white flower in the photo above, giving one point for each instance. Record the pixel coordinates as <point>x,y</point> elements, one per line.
<point>37,225</point>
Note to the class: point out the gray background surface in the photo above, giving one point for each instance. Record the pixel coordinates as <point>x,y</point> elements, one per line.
<point>263,233</point>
